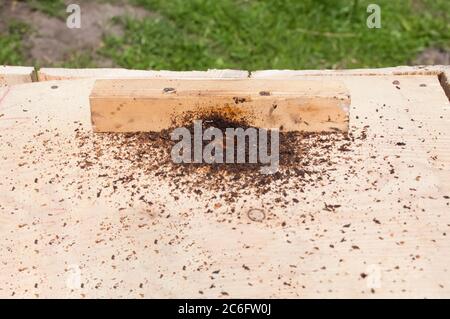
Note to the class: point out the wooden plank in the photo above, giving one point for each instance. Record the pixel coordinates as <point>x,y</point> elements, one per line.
<point>154,105</point>
<point>401,70</point>
<point>11,75</point>
<point>52,74</point>
<point>66,232</point>
<point>441,71</point>
<point>444,78</point>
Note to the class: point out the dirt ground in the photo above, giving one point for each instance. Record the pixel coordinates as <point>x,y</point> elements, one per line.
<point>51,42</point>
<point>433,56</point>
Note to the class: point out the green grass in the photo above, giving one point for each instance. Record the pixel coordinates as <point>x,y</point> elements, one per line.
<point>256,34</point>
<point>54,8</point>
<point>78,60</point>
<point>292,34</point>
<point>11,47</point>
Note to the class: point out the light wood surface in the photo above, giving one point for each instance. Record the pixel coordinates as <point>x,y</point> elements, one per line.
<point>10,75</point>
<point>389,238</point>
<point>52,74</point>
<point>399,70</point>
<point>156,104</point>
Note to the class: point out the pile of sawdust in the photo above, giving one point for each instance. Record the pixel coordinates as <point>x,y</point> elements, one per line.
<point>306,159</point>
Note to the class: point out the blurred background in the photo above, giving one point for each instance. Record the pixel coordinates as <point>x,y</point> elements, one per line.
<point>239,34</point>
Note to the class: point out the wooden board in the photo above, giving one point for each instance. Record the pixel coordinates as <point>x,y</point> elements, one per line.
<point>52,74</point>
<point>11,75</point>
<point>157,104</point>
<point>389,237</point>
<point>393,71</point>
<point>441,71</point>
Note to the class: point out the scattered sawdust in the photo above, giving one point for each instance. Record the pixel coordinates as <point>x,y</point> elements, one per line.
<point>306,159</point>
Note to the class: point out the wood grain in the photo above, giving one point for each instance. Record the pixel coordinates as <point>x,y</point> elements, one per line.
<point>53,74</point>
<point>157,104</point>
<point>388,239</point>
<point>11,75</point>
